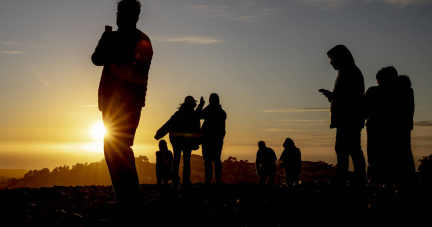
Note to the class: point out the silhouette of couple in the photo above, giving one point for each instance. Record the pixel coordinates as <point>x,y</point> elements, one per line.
<point>389,110</point>
<point>186,134</point>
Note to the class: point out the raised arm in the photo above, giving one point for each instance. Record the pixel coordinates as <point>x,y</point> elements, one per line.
<point>100,55</point>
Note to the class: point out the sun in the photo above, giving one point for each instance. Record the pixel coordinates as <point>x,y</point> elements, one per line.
<point>97,131</point>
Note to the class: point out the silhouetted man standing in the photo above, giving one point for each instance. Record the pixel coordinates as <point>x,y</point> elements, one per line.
<point>346,113</point>
<point>266,163</point>
<point>126,55</point>
<point>213,131</point>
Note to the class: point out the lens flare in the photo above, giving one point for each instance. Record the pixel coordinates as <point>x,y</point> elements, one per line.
<point>97,131</point>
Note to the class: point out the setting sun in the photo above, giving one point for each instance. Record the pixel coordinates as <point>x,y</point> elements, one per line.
<point>97,131</point>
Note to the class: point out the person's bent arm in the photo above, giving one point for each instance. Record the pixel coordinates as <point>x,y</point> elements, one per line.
<point>100,56</point>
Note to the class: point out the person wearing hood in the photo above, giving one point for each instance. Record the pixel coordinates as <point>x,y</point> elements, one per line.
<point>184,134</point>
<point>346,113</point>
<point>407,109</point>
<point>265,163</point>
<point>381,113</point>
<point>291,161</point>
<point>213,131</point>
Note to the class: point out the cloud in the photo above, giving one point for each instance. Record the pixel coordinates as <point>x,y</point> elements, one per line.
<point>325,4</point>
<point>423,123</point>
<point>12,43</point>
<point>400,3</point>
<point>296,110</point>
<point>245,10</point>
<point>194,40</point>
<point>302,120</point>
<point>18,44</point>
<point>281,130</point>
<point>12,52</point>
<point>335,4</point>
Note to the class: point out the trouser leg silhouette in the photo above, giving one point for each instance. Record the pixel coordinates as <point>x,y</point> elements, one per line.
<point>348,143</point>
<point>186,164</point>
<point>121,127</point>
<point>212,150</point>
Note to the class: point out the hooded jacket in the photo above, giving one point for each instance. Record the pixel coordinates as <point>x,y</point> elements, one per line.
<point>347,101</point>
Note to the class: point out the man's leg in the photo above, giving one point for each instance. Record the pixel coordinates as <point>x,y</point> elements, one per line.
<point>186,166</point>
<point>208,167</point>
<point>218,166</point>
<point>217,162</point>
<point>176,165</point>
<point>342,156</point>
<point>121,127</point>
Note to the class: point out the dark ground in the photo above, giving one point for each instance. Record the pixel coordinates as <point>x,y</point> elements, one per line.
<point>225,205</point>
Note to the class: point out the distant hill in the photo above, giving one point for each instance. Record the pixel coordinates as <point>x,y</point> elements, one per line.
<point>12,173</point>
<point>233,172</point>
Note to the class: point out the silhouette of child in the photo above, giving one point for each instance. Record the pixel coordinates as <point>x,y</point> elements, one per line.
<point>164,159</point>
<point>291,161</point>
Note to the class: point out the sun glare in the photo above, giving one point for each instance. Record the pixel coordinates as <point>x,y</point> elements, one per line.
<point>97,131</point>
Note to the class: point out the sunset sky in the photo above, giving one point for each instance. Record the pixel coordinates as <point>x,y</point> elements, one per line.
<point>266,60</point>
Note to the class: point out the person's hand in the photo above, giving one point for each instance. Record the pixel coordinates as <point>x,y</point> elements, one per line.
<point>202,100</point>
<point>328,94</point>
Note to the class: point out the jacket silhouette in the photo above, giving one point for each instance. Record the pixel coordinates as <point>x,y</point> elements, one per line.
<point>266,163</point>
<point>126,55</point>
<point>184,134</point>
<point>213,131</point>
<point>291,161</point>
<point>164,160</point>
<point>347,113</point>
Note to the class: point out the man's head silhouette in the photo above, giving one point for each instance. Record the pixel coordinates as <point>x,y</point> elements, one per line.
<point>128,13</point>
<point>214,99</point>
<point>163,145</point>
<point>261,145</point>
<point>387,76</point>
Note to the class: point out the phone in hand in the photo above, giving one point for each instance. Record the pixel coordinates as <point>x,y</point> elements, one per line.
<point>108,28</point>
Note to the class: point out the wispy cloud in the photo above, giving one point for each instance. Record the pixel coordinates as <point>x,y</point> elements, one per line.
<point>281,130</point>
<point>423,123</point>
<point>335,4</point>
<point>245,10</point>
<point>12,43</point>
<point>12,52</point>
<point>325,4</point>
<point>401,3</point>
<point>302,120</point>
<point>19,44</point>
<point>194,40</point>
<point>292,110</point>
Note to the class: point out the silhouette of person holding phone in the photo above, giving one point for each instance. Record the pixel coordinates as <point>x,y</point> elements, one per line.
<point>126,56</point>
<point>346,113</point>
